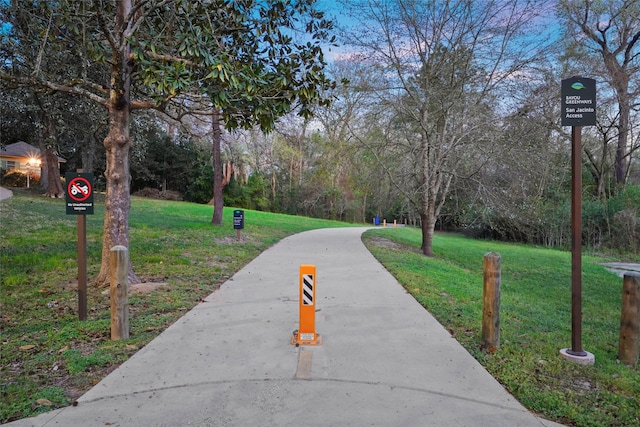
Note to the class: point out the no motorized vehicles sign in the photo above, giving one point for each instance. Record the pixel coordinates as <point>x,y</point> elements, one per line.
<point>79,196</point>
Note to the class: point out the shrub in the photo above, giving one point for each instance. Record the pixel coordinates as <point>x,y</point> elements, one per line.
<point>625,213</point>
<point>16,178</point>
<point>626,230</point>
<point>154,193</point>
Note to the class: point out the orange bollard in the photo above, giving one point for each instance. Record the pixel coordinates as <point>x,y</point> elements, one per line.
<point>306,334</point>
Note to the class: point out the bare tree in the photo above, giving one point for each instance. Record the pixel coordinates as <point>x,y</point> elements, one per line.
<point>444,61</point>
<point>611,30</point>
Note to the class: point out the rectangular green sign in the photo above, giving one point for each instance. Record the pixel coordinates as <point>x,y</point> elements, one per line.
<point>578,101</point>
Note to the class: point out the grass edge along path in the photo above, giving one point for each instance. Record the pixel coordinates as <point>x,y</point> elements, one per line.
<point>48,357</point>
<point>535,321</point>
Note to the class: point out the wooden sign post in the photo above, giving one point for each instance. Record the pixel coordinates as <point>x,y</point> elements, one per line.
<point>79,201</point>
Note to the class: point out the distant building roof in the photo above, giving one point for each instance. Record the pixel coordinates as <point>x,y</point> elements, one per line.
<point>22,149</point>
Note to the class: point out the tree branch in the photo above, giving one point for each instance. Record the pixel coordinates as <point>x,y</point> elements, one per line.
<point>105,29</point>
<point>36,68</point>
<point>138,15</point>
<point>168,58</point>
<point>71,87</point>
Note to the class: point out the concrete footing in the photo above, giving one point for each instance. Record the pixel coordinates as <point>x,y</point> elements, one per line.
<point>587,359</point>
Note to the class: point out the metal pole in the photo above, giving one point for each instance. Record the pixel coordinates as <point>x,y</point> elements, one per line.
<point>576,242</point>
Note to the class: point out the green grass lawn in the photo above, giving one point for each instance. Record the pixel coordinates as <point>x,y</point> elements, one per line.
<point>48,357</point>
<point>535,317</point>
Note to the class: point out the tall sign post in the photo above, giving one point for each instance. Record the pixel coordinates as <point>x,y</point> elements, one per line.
<point>79,201</point>
<point>578,110</point>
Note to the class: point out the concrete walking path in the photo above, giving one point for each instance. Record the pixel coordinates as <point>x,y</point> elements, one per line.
<point>5,193</point>
<point>622,268</point>
<point>384,360</point>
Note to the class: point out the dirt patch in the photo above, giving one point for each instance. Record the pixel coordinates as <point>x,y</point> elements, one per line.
<point>146,288</point>
<point>69,286</point>
<point>385,243</point>
<point>143,288</point>
<point>154,193</point>
<point>231,240</point>
<point>216,264</point>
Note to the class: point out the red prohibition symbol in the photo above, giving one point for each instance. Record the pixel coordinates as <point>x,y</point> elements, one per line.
<point>79,189</point>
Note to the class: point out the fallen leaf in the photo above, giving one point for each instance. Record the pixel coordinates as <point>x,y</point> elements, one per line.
<point>27,347</point>
<point>44,402</point>
<point>132,347</point>
<point>63,349</point>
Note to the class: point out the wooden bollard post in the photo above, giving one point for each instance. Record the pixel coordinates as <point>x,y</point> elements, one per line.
<point>491,301</point>
<point>119,287</point>
<point>630,319</point>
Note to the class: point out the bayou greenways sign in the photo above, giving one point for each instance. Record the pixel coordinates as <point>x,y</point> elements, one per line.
<point>578,101</point>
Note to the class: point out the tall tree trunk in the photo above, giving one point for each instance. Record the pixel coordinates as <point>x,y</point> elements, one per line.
<point>117,145</point>
<point>218,199</point>
<point>88,152</point>
<point>435,187</point>
<point>623,128</point>
<point>364,208</point>
<point>44,169</point>
<point>273,185</point>
<point>117,202</point>
<point>426,202</point>
<point>54,185</point>
<point>49,159</point>
<point>428,229</point>
<point>620,74</point>
<point>428,214</point>
<point>50,171</point>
